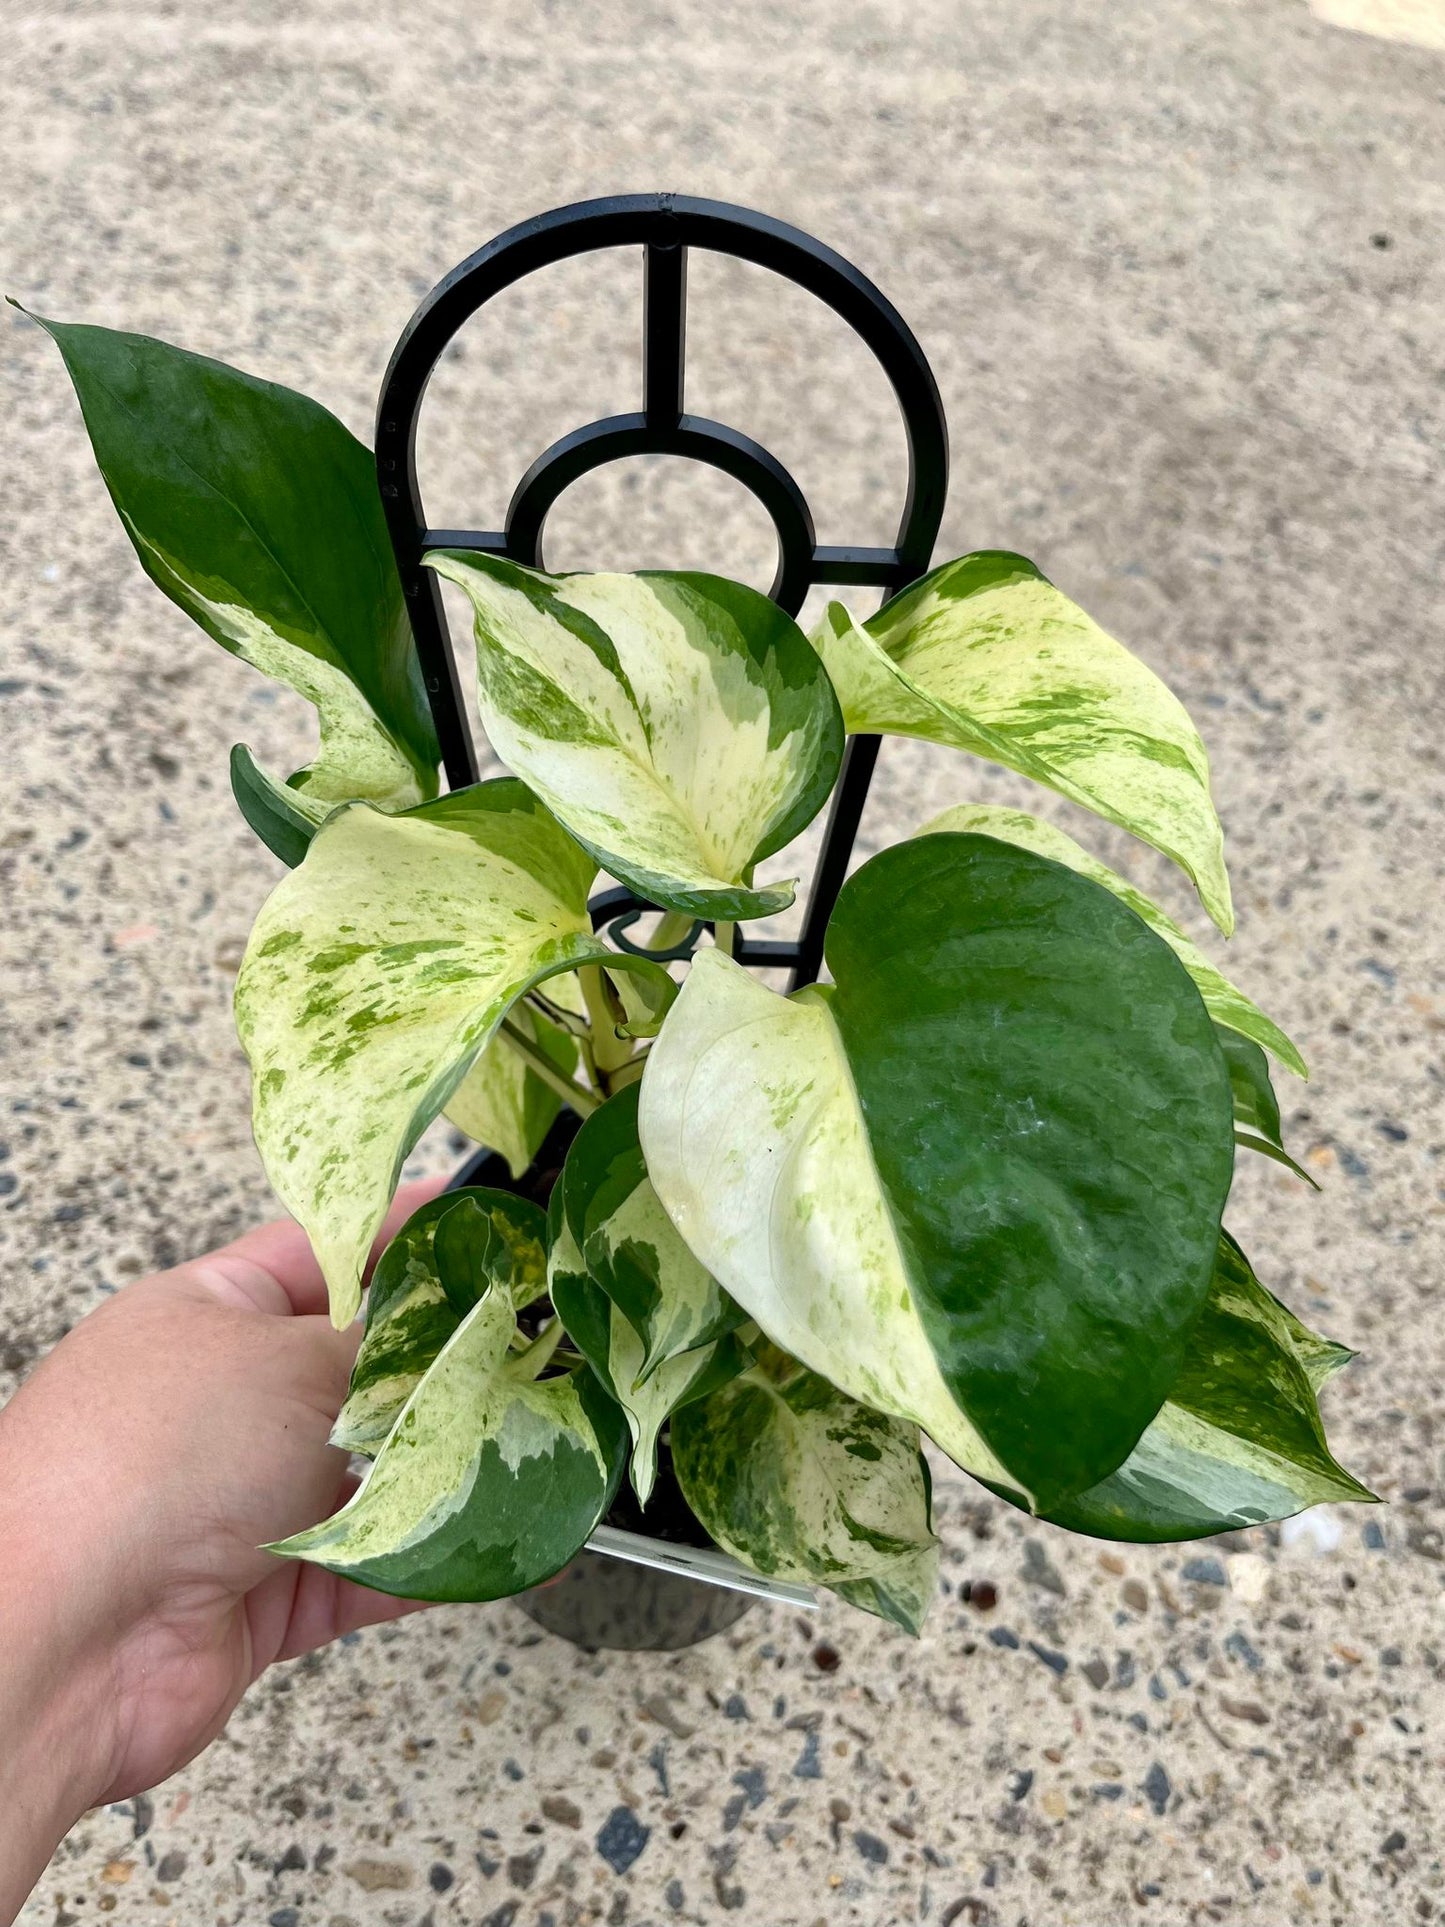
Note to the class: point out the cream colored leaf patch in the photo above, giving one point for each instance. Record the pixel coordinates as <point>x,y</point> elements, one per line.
<point>757,1146</point>
<point>679,725</point>
<point>487,1483</point>
<point>502,1102</point>
<point>987,655</point>
<point>657,1330</point>
<point>376,973</point>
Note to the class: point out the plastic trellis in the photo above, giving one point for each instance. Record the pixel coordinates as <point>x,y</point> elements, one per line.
<point>664,227</point>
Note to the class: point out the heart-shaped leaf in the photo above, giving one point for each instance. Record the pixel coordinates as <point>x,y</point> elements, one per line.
<point>374,976</point>
<point>978,1182</point>
<point>488,1482</point>
<point>257,512</point>
<point>802,1482</point>
<point>1239,1439</point>
<point>1226,1004</point>
<point>987,655</point>
<point>656,1328</point>
<point>679,725</point>
<point>415,1303</point>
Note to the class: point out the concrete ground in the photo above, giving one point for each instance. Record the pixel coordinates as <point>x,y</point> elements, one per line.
<point>1178,267</point>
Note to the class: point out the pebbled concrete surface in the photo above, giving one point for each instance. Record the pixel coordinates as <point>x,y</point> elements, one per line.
<point>1177,266</point>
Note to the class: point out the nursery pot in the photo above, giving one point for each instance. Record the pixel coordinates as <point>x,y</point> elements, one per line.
<point>598,1601</point>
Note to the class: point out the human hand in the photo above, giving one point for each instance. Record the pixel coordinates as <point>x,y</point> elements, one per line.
<point>176,1429</point>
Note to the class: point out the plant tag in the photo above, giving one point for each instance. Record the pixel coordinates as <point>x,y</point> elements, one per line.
<point>713,1568</point>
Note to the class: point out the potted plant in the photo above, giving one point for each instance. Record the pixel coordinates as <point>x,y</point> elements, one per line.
<point>971,1189</point>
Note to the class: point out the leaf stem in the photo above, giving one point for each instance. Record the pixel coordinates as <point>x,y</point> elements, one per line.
<point>584,1103</point>
<point>538,1355</point>
<point>725,936</point>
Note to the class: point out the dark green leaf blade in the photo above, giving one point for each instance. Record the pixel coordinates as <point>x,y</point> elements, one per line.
<point>1061,1230</point>
<point>256,511</point>
<point>1240,1440</point>
<point>488,1482</point>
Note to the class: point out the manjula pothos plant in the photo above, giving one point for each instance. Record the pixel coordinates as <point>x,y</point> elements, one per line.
<point>970,1188</point>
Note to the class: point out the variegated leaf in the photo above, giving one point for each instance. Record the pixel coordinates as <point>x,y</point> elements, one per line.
<point>1256,1108</point>
<point>411,1312</point>
<point>257,512</point>
<point>801,1482</point>
<point>1227,1005</point>
<point>657,1329</point>
<point>1239,1439</point>
<point>501,1102</point>
<point>977,1182</point>
<point>987,655</point>
<point>488,1482</point>
<point>679,725</point>
<point>376,973</point>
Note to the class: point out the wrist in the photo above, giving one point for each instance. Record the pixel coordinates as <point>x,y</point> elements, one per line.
<point>55,1722</point>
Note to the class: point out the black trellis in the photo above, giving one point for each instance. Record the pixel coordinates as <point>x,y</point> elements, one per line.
<point>665,227</point>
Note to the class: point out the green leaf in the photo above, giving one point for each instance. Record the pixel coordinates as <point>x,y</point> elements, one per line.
<point>410,1314</point>
<point>1227,1005</point>
<point>655,1327</point>
<point>284,817</point>
<point>987,655</point>
<point>1256,1108</point>
<point>376,973</point>
<point>679,725</point>
<point>487,1483</point>
<point>257,513</point>
<point>977,1183</point>
<point>801,1482</point>
<point>1239,1439</point>
<point>505,1105</point>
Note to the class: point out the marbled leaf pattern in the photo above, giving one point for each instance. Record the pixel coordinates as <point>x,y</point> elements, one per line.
<point>987,655</point>
<point>679,725</point>
<point>410,1315</point>
<point>802,1482</point>
<point>488,1482</point>
<point>375,974</point>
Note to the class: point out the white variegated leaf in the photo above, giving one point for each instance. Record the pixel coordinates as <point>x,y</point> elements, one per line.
<point>677,724</point>
<point>755,1141</point>
<point>375,974</point>
<point>975,1182</point>
<point>488,1482</point>
<point>1225,1003</point>
<point>656,1328</point>
<point>1239,1440</point>
<point>411,1313</point>
<point>987,655</point>
<point>801,1482</point>
<point>257,512</point>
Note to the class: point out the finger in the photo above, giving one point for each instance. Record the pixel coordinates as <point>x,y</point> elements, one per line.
<point>326,1607</point>
<point>281,1253</point>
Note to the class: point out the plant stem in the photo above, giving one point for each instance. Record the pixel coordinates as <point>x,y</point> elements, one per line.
<point>672,927</point>
<point>609,1050</point>
<point>584,1103</point>
<point>725,935</point>
<point>538,1355</point>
